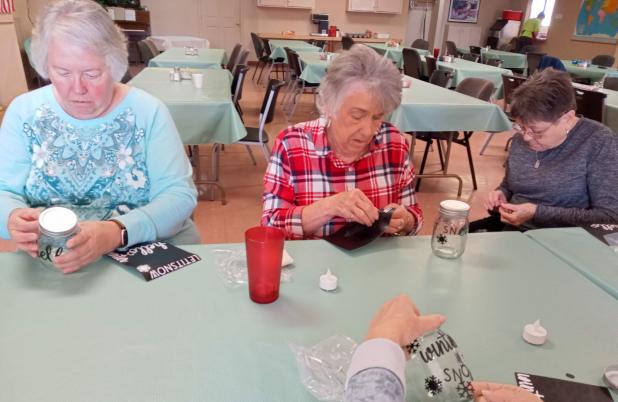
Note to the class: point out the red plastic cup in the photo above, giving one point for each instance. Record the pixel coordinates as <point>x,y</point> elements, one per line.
<point>264,247</point>
<point>436,52</point>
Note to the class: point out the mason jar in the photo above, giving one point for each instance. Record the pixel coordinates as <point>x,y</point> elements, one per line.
<point>450,231</point>
<point>56,226</point>
<point>436,370</point>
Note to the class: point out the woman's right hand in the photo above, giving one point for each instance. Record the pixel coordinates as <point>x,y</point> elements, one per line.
<point>494,200</point>
<point>23,227</point>
<point>353,205</point>
<point>492,392</point>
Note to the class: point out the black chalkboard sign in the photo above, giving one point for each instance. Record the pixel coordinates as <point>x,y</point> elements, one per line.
<point>154,260</point>
<point>606,232</point>
<point>555,390</point>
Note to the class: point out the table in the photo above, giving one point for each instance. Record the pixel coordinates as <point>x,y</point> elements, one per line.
<point>428,107</point>
<point>168,41</point>
<point>206,58</point>
<point>330,40</point>
<point>594,73</point>
<point>202,116</point>
<point>509,59</point>
<point>585,253</point>
<point>106,335</point>
<point>462,69</point>
<point>277,50</point>
<point>395,53</point>
<point>314,69</point>
<point>610,114</point>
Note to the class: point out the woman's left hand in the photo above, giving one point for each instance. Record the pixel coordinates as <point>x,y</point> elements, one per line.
<point>95,238</point>
<point>517,214</point>
<point>402,221</point>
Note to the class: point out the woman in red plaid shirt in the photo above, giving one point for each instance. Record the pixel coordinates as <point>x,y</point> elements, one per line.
<point>349,163</point>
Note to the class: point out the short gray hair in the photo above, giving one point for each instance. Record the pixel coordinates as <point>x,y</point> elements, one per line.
<point>364,66</point>
<point>82,23</point>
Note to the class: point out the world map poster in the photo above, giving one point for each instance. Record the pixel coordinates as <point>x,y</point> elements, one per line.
<point>597,21</point>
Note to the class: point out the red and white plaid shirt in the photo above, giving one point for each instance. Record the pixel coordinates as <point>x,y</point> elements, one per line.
<point>303,169</point>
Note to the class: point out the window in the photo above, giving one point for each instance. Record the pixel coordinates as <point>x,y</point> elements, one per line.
<point>547,7</point>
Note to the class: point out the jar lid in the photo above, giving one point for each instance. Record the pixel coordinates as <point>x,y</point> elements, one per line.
<point>57,220</point>
<point>454,205</point>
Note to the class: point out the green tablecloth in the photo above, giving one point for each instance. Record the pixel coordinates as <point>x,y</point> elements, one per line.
<point>509,59</point>
<point>314,69</point>
<point>462,69</point>
<point>610,116</point>
<point>106,335</point>
<point>393,53</point>
<point>202,116</point>
<point>595,73</point>
<point>206,58</point>
<point>277,46</point>
<point>427,107</point>
<point>586,254</point>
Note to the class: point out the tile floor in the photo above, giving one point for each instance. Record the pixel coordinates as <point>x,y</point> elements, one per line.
<point>243,181</point>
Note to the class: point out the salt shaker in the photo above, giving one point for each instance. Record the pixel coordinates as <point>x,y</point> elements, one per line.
<point>56,226</point>
<point>177,73</point>
<point>450,230</point>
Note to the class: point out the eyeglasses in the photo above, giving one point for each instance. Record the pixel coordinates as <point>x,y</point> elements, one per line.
<point>536,135</point>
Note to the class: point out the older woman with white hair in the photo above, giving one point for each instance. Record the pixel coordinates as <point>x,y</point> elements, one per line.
<point>349,163</point>
<point>106,150</point>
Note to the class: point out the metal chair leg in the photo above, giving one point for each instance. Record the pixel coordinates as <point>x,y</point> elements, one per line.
<point>466,142</point>
<point>489,137</point>
<point>266,152</point>
<point>251,154</point>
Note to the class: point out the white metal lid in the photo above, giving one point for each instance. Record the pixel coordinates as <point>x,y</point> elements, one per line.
<point>57,219</point>
<point>454,205</point>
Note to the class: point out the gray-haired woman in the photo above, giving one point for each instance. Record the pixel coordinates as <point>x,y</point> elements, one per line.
<point>562,169</point>
<point>110,152</point>
<point>347,164</point>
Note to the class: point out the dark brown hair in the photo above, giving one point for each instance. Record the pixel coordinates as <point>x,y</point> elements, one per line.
<point>546,96</point>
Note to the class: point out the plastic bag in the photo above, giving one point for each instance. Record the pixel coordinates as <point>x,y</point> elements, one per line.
<point>232,268</point>
<point>323,367</point>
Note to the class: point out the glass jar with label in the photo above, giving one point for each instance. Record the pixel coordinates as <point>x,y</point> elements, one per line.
<point>450,230</point>
<point>436,370</point>
<point>56,226</point>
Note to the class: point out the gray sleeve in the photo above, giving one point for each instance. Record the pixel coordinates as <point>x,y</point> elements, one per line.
<point>602,178</point>
<point>504,185</point>
<point>374,384</point>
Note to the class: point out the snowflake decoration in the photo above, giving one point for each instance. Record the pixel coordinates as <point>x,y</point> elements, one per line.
<point>464,389</point>
<point>413,347</point>
<point>143,268</point>
<point>433,385</point>
<point>442,239</point>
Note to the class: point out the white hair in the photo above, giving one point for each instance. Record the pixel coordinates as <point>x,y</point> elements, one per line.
<point>359,66</point>
<point>81,23</point>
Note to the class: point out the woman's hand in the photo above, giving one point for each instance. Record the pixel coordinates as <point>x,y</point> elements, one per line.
<point>400,321</point>
<point>353,205</point>
<point>491,392</point>
<point>494,200</point>
<point>23,227</point>
<point>402,221</point>
<point>95,238</point>
<point>517,214</point>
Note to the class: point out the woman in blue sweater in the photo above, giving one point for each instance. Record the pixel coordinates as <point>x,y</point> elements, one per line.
<point>108,151</point>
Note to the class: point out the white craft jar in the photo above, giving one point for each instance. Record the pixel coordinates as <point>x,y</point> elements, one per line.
<point>56,226</point>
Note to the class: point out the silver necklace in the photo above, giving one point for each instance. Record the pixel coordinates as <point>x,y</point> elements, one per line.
<point>538,161</point>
